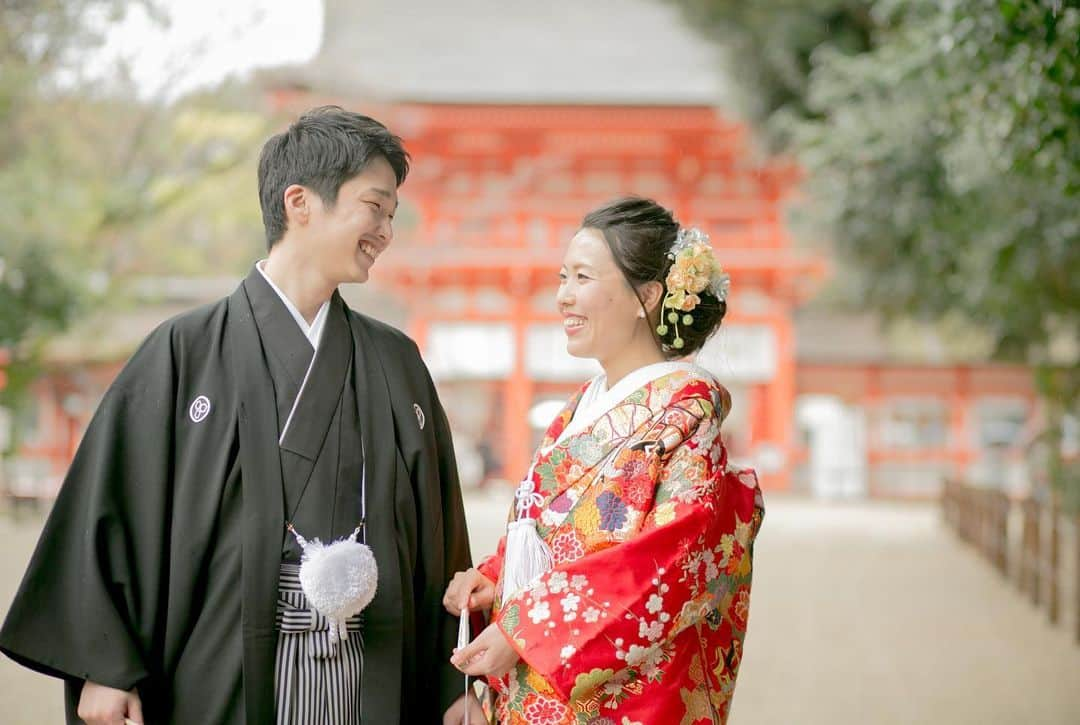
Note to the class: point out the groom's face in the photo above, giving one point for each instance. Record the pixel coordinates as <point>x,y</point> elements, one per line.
<point>349,236</point>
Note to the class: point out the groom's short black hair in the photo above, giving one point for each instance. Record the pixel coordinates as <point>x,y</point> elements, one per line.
<point>322,150</point>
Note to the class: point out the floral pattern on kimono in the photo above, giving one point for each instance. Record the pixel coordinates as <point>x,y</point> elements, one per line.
<point>643,617</point>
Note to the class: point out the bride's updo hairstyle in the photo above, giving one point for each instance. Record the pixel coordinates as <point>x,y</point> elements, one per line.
<point>645,241</point>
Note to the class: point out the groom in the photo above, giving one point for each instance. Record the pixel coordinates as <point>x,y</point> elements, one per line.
<point>164,587</point>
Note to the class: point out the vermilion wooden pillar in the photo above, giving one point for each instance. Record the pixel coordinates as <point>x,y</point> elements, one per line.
<point>959,440</point>
<point>780,403</point>
<point>519,395</point>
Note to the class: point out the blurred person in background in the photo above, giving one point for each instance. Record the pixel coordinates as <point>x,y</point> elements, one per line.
<point>621,589</point>
<point>166,586</point>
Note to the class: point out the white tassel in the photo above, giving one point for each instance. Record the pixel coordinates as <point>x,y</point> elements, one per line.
<point>527,557</point>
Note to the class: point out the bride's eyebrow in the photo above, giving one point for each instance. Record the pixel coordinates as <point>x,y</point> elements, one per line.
<point>579,266</point>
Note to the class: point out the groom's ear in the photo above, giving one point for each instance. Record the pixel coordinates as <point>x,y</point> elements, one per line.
<point>297,201</point>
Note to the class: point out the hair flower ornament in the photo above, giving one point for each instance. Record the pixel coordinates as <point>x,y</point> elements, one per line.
<point>694,269</point>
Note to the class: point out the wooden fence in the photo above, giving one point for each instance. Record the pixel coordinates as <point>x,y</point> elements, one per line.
<point>1022,539</point>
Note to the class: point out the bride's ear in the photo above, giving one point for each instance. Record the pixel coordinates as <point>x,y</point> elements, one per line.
<point>650,294</point>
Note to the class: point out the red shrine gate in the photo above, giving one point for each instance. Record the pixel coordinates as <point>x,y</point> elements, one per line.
<point>495,194</point>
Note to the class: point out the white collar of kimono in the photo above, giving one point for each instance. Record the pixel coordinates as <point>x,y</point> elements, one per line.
<point>598,399</point>
<point>312,332</point>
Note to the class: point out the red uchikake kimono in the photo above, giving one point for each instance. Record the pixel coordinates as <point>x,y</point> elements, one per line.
<point>643,617</point>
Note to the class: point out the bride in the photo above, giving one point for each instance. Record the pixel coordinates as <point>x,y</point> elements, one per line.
<point>621,590</point>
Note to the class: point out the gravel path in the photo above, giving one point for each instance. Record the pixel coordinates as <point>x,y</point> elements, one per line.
<point>866,613</point>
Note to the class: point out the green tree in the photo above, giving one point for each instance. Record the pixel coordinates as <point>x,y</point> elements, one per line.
<point>37,291</point>
<point>768,49</point>
<point>941,143</point>
<point>99,187</point>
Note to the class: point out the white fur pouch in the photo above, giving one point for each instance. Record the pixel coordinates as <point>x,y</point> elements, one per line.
<point>338,579</point>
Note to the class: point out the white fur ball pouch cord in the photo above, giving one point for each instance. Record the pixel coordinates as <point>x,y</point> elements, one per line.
<point>338,579</point>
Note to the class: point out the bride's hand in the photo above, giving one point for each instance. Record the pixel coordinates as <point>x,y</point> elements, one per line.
<point>468,590</point>
<point>488,654</point>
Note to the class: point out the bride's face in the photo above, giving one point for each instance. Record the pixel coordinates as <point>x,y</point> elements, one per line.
<point>598,307</point>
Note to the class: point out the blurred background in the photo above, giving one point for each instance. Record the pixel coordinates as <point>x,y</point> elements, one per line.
<point>892,185</point>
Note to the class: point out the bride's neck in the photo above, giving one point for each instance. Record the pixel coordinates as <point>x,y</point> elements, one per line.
<point>629,360</point>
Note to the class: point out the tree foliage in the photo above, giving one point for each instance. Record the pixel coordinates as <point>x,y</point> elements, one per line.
<point>945,165</point>
<point>99,187</point>
<point>941,144</point>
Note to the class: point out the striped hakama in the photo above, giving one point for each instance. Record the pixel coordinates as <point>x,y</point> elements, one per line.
<point>316,674</point>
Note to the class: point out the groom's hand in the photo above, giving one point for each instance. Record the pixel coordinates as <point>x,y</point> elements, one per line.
<point>455,714</point>
<point>101,705</point>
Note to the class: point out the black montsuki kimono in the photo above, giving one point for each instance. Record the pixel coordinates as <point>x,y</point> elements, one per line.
<point>158,565</point>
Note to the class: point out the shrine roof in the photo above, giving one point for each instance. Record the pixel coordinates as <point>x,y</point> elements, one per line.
<point>479,51</point>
